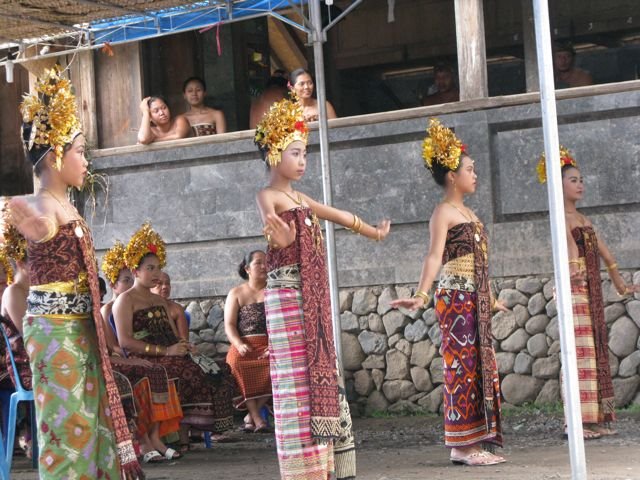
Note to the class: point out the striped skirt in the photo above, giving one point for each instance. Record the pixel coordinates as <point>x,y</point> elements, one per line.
<point>464,416</point>
<point>299,456</point>
<point>585,356</point>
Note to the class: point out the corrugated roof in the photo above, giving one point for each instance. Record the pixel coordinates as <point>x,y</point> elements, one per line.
<point>97,21</point>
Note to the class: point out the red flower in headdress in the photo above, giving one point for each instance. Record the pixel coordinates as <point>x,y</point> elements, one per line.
<point>300,126</point>
<point>463,148</point>
<point>152,248</point>
<point>567,160</point>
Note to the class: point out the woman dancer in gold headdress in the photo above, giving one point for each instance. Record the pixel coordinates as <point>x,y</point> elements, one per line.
<point>462,302</point>
<point>312,419</point>
<point>586,247</point>
<point>82,429</point>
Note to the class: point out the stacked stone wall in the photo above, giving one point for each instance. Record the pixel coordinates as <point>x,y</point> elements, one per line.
<point>392,361</point>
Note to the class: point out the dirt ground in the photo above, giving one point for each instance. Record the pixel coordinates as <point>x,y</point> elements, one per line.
<point>410,448</point>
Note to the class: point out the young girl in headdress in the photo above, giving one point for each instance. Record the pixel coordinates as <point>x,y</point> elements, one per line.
<point>82,429</point>
<point>463,304</point>
<point>312,419</point>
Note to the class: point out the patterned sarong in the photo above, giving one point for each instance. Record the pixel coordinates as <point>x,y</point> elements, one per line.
<point>464,415</point>
<point>585,356</point>
<point>250,372</point>
<point>75,432</point>
<point>300,457</point>
<point>168,413</point>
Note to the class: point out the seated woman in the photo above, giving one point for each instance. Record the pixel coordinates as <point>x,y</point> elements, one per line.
<point>146,331</point>
<point>157,125</point>
<point>246,327</point>
<point>156,410</point>
<point>203,120</point>
<point>301,83</point>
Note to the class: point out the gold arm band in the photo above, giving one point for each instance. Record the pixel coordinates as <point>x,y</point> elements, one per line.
<point>147,347</point>
<point>52,229</point>
<point>423,295</point>
<point>613,266</point>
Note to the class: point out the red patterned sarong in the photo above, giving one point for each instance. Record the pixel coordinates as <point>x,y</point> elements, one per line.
<point>250,372</point>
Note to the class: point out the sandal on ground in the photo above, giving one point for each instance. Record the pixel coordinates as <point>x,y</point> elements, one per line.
<point>171,454</point>
<point>248,427</point>
<point>603,431</point>
<point>152,457</point>
<point>478,459</point>
<point>263,428</point>
<point>587,434</point>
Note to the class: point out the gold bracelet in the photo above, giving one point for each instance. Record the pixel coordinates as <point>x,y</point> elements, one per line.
<point>156,351</point>
<point>353,224</point>
<point>51,230</point>
<point>575,260</point>
<point>147,348</point>
<point>613,266</point>
<point>356,226</point>
<point>423,295</point>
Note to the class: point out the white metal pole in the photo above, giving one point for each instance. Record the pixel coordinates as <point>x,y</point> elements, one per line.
<point>573,415</point>
<point>323,132</point>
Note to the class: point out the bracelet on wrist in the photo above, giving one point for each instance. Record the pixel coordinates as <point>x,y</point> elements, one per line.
<point>423,295</point>
<point>613,266</point>
<point>147,348</point>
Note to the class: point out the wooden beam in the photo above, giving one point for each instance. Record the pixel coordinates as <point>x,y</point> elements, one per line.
<point>83,78</point>
<point>285,45</point>
<point>530,55</point>
<point>472,55</point>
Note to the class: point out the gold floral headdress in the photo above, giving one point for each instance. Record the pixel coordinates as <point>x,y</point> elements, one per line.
<point>4,263</point>
<point>441,146</point>
<point>565,159</point>
<point>113,262</point>
<point>281,125</point>
<point>146,240</point>
<point>51,111</point>
<point>15,245</point>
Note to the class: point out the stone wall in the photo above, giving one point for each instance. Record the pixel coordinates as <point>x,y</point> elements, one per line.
<point>392,361</point>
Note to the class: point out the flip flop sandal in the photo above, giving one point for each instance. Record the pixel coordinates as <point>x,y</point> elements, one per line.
<point>171,454</point>
<point>478,459</point>
<point>248,428</point>
<point>152,457</point>
<point>262,429</point>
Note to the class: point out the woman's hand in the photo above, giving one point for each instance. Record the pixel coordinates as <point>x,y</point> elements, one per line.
<point>279,234</point>
<point>26,219</point>
<point>243,348</point>
<point>498,306</point>
<point>179,349</point>
<point>382,229</point>
<point>412,303</point>
<point>144,106</point>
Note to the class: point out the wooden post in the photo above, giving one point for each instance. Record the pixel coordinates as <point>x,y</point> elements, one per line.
<point>472,55</point>
<point>83,79</point>
<point>118,95</point>
<point>530,56</point>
